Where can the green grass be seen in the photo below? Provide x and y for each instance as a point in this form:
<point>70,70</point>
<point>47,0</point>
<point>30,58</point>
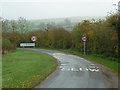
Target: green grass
<point>0,71</point>
<point>113,65</point>
<point>26,68</point>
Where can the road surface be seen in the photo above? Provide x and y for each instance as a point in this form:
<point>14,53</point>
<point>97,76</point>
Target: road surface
<point>76,72</point>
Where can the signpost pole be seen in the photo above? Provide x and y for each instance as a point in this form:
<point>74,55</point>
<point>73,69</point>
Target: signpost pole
<point>34,46</point>
<point>84,48</point>
<point>34,38</point>
<point>84,39</point>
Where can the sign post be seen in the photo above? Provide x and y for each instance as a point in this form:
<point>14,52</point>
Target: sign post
<point>84,39</point>
<point>27,45</point>
<point>84,48</point>
<point>34,38</point>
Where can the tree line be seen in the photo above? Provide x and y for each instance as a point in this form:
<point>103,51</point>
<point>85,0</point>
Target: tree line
<point>102,36</point>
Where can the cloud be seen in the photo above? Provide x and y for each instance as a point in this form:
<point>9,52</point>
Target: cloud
<point>39,10</point>
<point>60,1</point>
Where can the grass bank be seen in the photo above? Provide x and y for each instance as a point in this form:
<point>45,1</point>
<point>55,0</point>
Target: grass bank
<point>113,65</point>
<point>0,71</point>
<point>26,68</point>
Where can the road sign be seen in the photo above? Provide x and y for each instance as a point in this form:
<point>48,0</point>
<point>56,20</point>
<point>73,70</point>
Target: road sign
<point>27,44</point>
<point>84,39</point>
<point>33,38</point>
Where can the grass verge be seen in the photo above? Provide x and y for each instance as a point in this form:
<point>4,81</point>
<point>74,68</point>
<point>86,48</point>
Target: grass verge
<point>113,65</point>
<point>26,68</point>
<point>0,71</point>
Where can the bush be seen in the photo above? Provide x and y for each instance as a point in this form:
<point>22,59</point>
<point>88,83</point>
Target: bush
<point>7,45</point>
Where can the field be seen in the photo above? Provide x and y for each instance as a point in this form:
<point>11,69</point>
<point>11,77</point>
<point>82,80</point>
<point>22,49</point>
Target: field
<point>26,68</point>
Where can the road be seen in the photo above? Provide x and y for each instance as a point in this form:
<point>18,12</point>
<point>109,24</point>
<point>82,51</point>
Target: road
<point>76,72</point>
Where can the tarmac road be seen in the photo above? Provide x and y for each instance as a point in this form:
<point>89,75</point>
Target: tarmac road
<point>76,72</point>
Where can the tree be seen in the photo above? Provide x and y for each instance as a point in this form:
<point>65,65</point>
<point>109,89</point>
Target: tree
<point>23,25</point>
<point>114,21</point>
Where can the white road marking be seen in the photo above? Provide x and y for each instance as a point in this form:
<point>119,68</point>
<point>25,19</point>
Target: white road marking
<point>91,70</point>
<point>80,69</point>
<point>92,64</point>
<point>86,69</point>
<point>63,64</point>
<point>68,69</point>
<point>58,54</point>
<point>72,69</point>
<point>81,58</point>
<point>62,68</point>
<point>97,70</point>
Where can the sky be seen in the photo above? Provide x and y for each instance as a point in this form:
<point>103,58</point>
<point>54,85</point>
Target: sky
<point>44,9</point>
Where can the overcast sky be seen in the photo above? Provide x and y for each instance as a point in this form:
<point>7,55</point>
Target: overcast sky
<point>41,9</point>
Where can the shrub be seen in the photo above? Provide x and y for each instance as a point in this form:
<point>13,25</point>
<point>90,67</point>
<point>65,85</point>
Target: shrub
<point>7,45</point>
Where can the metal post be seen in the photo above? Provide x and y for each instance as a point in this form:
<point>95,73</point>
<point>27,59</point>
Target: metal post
<point>34,46</point>
<point>84,48</point>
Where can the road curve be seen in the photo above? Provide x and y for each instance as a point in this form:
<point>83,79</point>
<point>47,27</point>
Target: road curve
<point>76,72</point>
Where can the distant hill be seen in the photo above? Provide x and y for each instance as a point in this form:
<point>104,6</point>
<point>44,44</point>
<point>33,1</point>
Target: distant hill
<point>66,22</point>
